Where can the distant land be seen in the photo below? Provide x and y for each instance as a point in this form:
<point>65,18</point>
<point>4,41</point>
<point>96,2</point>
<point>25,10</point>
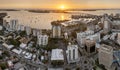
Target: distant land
<point>53,11</point>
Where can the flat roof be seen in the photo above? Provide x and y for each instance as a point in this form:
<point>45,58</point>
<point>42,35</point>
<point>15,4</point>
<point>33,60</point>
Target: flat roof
<point>57,54</point>
<point>17,51</point>
<point>8,46</point>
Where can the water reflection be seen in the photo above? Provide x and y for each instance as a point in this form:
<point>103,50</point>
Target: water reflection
<point>62,17</point>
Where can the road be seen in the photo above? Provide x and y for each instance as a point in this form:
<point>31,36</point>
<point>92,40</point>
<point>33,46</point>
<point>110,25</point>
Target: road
<point>23,59</point>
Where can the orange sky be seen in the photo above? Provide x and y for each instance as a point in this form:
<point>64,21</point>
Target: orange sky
<point>55,4</point>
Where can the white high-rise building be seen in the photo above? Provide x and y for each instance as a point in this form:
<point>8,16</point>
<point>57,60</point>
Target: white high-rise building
<point>28,30</point>
<point>107,23</point>
<point>72,53</point>
<point>13,24</point>
<point>66,35</point>
<point>82,36</point>
<point>42,39</point>
<point>22,27</point>
<point>105,55</point>
<point>34,32</point>
<point>18,27</point>
<point>118,38</point>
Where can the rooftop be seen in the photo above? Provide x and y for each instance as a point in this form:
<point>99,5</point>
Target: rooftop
<point>106,47</point>
<point>57,54</point>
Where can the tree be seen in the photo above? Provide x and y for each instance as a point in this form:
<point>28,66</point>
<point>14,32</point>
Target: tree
<point>67,68</point>
<point>102,66</point>
<point>78,68</point>
<point>1,57</point>
<point>6,53</point>
<point>3,66</point>
<point>22,33</point>
<point>1,32</point>
<point>51,45</point>
<point>14,42</point>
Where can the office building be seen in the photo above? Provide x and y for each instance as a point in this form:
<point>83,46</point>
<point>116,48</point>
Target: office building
<point>28,30</point>
<point>42,40</point>
<point>13,24</point>
<point>107,23</point>
<point>72,53</point>
<point>105,55</point>
<point>56,30</point>
<point>81,37</point>
<point>118,38</point>
<point>66,35</point>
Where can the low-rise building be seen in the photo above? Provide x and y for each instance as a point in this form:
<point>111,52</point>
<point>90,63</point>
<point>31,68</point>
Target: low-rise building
<point>10,63</point>
<point>8,46</point>
<point>17,51</point>
<point>22,45</point>
<point>57,55</point>
<point>28,56</point>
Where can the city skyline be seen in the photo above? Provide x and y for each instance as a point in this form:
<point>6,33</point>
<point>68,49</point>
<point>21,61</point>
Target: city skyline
<point>55,4</point>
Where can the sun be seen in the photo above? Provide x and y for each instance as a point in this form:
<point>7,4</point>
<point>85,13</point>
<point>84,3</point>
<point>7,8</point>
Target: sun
<point>62,7</point>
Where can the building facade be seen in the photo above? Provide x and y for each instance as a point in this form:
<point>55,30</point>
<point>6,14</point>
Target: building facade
<point>42,40</point>
<point>13,24</point>
<point>105,55</point>
<point>56,29</point>
<point>72,53</point>
<point>81,37</point>
<point>28,30</point>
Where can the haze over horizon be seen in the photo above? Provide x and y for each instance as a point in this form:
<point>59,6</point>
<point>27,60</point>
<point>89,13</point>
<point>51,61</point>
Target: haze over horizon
<point>55,4</point>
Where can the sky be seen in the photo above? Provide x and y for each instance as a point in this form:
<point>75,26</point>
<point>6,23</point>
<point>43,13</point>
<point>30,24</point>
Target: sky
<point>55,4</point>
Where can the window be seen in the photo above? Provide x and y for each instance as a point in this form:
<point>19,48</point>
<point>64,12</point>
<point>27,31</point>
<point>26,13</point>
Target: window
<point>73,54</point>
<point>69,55</point>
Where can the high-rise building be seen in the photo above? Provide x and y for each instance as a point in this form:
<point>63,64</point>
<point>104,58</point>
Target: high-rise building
<point>22,27</point>
<point>28,30</point>
<point>56,30</point>
<point>13,24</point>
<point>118,38</point>
<point>106,55</point>
<point>34,32</point>
<point>90,46</point>
<point>72,53</point>
<point>107,23</point>
<point>66,35</point>
<point>42,40</point>
<point>81,37</point>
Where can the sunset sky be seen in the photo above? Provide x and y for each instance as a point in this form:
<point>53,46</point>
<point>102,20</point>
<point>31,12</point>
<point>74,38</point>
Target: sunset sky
<point>56,4</point>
